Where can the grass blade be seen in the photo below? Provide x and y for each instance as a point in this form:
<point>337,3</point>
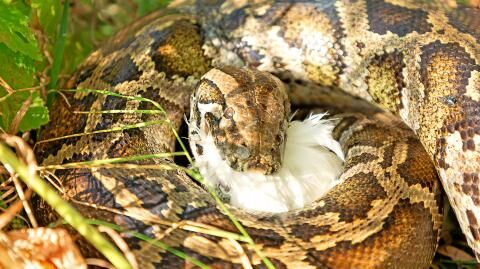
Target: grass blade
<point>152,241</point>
<point>58,52</point>
<point>114,129</point>
<point>64,209</point>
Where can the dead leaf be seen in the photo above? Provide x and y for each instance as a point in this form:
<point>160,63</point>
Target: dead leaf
<point>39,248</point>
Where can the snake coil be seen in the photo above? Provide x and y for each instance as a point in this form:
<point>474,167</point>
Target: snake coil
<point>417,59</point>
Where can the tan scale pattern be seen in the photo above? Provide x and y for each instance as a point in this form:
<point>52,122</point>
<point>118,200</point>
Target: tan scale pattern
<point>436,96</point>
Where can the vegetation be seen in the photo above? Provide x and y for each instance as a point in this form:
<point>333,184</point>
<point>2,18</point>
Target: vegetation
<point>41,43</point>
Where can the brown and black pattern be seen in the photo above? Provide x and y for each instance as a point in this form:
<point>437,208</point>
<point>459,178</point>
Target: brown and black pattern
<point>385,17</point>
<point>470,181</point>
<point>474,227</point>
<point>293,17</point>
<point>418,60</point>
<point>466,20</point>
<point>445,72</point>
<point>177,50</point>
<point>364,255</point>
<point>71,124</point>
<point>385,80</point>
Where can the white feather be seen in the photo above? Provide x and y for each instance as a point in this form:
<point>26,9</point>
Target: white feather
<point>312,163</point>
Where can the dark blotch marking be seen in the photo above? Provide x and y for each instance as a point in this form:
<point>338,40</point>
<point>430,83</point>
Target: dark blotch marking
<point>114,46</point>
<point>451,53</point>
<point>215,94</point>
<point>474,228</point>
<point>121,70</point>
<point>78,157</point>
<point>84,186</point>
<point>233,20</point>
<point>384,17</point>
<point>192,213</point>
<point>307,231</point>
<point>466,20</point>
<point>396,243</point>
<point>154,95</point>
<point>177,50</point>
<point>242,78</point>
<point>471,187</point>
<point>418,168</point>
<point>470,145</point>
<point>83,74</point>
<point>64,122</point>
<point>206,7</point>
<point>387,65</point>
<point>130,143</point>
<point>267,238</point>
<point>149,192</point>
<point>362,158</point>
<point>352,199</point>
<point>343,125</point>
<point>388,156</point>
<point>108,120</point>
<point>360,45</point>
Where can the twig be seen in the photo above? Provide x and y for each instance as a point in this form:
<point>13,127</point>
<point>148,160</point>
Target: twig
<point>243,256</point>
<point>5,85</point>
<point>121,244</point>
<point>98,263</point>
<point>19,115</point>
<point>12,211</point>
<point>64,209</point>
<point>24,199</point>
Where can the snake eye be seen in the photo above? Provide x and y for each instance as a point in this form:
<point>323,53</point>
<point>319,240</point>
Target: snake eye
<point>228,113</point>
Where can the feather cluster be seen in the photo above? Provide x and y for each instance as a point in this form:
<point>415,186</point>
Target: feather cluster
<point>312,163</point>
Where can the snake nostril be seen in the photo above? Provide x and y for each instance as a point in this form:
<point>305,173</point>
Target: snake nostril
<point>242,152</point>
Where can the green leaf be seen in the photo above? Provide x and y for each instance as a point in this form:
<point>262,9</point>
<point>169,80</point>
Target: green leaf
<point>36,115</point>
<point>16,69</point>
<point>49,14</point>
<point>15,32</point>
<point>147,6</point>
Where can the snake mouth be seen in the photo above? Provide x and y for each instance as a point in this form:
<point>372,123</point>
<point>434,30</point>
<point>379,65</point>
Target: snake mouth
<point>262,164</point>
<point>245,177</point>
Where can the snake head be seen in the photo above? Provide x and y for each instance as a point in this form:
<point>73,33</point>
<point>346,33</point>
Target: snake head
<point>244,112</point>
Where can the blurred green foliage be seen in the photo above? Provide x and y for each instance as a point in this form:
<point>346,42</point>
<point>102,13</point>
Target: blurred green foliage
<point>20,57</point>
<point>29,45</point>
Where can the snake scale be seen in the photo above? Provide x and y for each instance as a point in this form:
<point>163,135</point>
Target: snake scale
<point>419,60</point>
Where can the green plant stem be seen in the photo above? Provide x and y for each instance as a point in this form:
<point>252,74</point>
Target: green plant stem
<point>235,222</point>
<point>58,52</point>
<point>64,209</point>
<point>96,163</point>
<point>114,129</point>
<point>152,241</point>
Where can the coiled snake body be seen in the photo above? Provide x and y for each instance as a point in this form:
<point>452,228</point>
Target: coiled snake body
<point>417,59</point>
